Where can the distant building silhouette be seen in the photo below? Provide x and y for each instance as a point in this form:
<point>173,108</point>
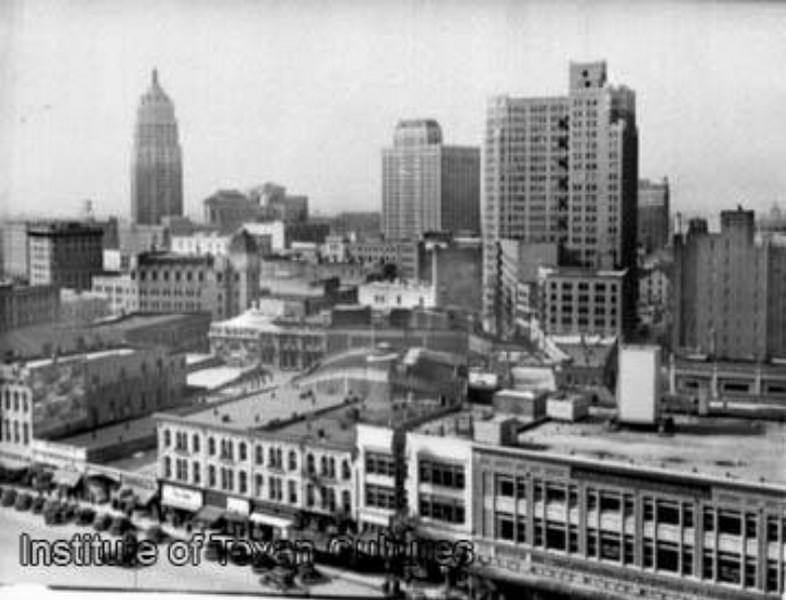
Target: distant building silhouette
<point>426,185</point>
<point>156,169</point>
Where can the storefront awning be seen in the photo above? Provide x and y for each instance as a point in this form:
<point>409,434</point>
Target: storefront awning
<point>271,520</point>
<point>209,514</point>
<point>235,517</point>
<point>143,495</point>
<point>66,478</point>
<point>13,464</point>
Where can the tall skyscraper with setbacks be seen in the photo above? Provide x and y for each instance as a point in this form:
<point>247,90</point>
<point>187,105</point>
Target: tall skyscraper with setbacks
<point>157,168</point>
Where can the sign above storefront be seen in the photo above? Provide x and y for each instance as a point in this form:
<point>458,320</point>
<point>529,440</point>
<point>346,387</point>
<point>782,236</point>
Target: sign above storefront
<point>179,497</point>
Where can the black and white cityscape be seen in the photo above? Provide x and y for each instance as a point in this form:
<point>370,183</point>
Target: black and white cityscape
<point>419,300</point>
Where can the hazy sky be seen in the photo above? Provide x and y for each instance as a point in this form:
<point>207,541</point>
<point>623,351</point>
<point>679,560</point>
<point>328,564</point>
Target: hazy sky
<point>307,93</point>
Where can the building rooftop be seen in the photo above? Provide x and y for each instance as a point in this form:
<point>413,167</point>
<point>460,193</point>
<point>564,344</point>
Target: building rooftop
<point>40,340</point>
<point>263,408</point>
<point>41,362</point>
<point>700,445</point>
<point>112,434</point>
<point>213,378</point>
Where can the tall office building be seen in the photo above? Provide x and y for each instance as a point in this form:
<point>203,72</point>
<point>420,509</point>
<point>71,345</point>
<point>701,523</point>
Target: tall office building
<point>427,186</point>
<point>564,170</point>
<point>156,169</point>
<point>729,290</point>
<point>64,253</point>
<point>653,217</point>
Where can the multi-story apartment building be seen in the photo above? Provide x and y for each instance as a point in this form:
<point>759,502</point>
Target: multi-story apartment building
<point>654,221</point>
<point>728,290</point>
<point>21,306</point>
<point>576,301</point>
<point>64,253</point>
<point>428,186</point>
<point>272,459</point>
<point>165,282</point>
<point>58,396</point>
<point>563,170</point>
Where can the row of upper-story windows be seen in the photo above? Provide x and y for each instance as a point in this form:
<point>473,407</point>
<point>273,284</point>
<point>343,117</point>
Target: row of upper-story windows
<point>225,448</point>
<point>16,399</point>
<point>11,432</point>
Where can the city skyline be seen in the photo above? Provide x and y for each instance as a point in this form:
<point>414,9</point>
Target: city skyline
<point>266,105</point>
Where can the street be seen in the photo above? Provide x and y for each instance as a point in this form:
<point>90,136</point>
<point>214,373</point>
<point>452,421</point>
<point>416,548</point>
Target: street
<point>207,577</point>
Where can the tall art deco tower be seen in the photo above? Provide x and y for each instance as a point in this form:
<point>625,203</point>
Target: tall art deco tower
<point>156,168</point>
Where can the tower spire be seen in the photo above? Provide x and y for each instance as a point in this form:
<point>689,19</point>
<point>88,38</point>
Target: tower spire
<point>155,76</point>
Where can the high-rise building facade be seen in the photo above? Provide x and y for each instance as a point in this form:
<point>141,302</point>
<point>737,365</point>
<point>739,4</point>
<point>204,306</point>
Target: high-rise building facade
<point>428,186</point>
<point>64,253</point>
<point>653,215</point>
<point>563,170</point>
<point>156,169</point>
<point>729,291</point>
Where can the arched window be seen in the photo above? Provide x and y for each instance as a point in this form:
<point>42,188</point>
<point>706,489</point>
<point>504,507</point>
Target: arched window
<point>167,438</point>
<point>310,463</point>
<point>242,451</point>
<point>260,454</point>
<point>211,445</point>
<point>167,467</point>
<point>195,442</point>
<point>345,472</point>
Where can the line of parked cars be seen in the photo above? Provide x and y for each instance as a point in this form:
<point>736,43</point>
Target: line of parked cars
<point>276,571</point>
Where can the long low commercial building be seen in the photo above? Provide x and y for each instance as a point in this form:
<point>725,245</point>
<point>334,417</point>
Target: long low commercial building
<point>588,511</point>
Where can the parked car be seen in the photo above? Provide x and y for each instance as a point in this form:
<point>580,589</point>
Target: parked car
<point>9,497</point>
<point>54,516</point>
<point>215,551</point>
<point>38,505</point>
<point>85,516</point>
<point>280,578</point>
<point>308,574</point>
<point>23,501</point>
<point>262,562</point>
<point>69,512</point>
<point>120,525</point>
<point>156,534</point>
<point>102,522</point>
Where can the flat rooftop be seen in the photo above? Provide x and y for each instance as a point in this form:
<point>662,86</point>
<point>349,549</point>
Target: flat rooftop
<point>32,364</point>
<point>746,450</point>
<point>108,435</point>
<point>32,341</point>
<point>260,408</point>
<point>144,462</point>
<point>213,378</point>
